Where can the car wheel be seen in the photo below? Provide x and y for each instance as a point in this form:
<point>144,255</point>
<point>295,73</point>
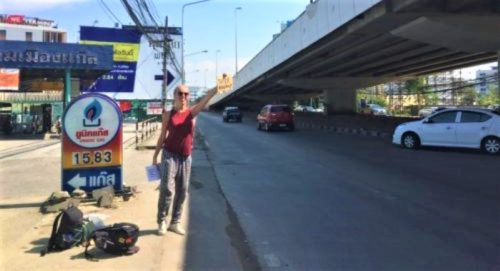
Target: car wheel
<point>410,141</point>
<point>266,127</point>
<point>291,127</point>
<point>491,145</point>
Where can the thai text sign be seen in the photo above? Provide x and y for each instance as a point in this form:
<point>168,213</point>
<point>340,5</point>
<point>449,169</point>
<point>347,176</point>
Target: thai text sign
<point>90,179</point>
<point>92,139</point>
<point>44,55</point>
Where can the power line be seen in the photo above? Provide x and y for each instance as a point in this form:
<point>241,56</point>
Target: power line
<point>110,12</point>
<point>155,11</point>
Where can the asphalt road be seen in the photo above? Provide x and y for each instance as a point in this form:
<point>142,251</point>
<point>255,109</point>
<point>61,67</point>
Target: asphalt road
<point>315,200</point>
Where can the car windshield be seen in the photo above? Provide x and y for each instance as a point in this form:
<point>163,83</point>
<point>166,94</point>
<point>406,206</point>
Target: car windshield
<point>233,110</point>
<point>279,109</point>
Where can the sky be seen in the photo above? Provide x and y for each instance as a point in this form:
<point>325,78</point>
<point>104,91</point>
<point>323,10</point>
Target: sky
<point>207,26</point>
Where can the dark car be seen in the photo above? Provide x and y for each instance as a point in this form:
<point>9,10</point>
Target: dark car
<point>275,116</point>
<point>231,113</point>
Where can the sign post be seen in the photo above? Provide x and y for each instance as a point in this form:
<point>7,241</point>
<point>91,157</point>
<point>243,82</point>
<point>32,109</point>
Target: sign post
<point>67,87</point>
<point>92,144</point>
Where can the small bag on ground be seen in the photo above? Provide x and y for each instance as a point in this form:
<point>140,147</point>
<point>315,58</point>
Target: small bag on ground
<point>68,230</point>
<point>118,239</point>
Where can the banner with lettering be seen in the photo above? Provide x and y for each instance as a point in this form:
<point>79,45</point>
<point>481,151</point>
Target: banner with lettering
<point>125,56</point>
<point>54,56</point>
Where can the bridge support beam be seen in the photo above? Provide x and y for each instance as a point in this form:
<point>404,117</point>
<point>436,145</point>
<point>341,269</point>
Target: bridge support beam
<point>339,92</point>
<point>340,101</point>
<point>465,33</point>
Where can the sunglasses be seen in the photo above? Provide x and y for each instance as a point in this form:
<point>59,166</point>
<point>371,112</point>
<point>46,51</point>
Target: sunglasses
<point>182,94</point>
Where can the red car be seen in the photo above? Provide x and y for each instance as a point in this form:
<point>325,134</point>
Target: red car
<point>275,116</point>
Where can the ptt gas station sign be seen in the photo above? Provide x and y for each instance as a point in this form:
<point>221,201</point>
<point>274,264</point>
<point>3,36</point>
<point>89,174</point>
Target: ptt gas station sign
<point>92,144</point>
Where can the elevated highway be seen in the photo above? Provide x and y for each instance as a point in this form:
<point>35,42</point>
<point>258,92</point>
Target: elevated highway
<point>335,47</point>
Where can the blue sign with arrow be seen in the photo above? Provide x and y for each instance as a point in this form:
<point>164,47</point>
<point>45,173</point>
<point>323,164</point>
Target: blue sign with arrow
<point>92,178</point>
<point>170,77</point>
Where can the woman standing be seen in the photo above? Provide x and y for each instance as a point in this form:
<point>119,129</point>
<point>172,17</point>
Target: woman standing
<point>176,140</point>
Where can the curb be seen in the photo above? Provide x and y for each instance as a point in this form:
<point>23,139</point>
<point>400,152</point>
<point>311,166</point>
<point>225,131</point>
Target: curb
<point>345,130</point>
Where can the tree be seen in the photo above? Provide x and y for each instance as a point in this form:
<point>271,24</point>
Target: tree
<point>431,98</point>
<point>416,86</point>
<point>468,96</point>
<point>490,98</point>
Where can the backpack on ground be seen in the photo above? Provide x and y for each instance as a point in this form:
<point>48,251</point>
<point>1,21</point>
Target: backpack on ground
<point>68,230</point>
<point>118,239</point>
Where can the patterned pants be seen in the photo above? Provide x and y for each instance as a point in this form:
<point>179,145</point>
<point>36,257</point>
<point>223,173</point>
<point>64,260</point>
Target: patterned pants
<point>175,171</point>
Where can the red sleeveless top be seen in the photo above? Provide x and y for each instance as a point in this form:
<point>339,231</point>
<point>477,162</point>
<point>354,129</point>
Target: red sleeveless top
<point>180,131</point>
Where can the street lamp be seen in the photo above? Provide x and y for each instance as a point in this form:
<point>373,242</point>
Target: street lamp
<point>236,39</point>
<point>195,53</point>
<point>216,65</point>
<point>182,26</point>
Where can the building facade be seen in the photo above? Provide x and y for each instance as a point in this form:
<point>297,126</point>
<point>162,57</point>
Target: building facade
<point>30,105</point>
<point>485,79</point>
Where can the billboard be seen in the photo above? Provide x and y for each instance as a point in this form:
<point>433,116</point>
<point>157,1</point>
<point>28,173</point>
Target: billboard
<point>224,83</point>
<point>125,55</point>
<point>147,68</point>
<point>154,108</point>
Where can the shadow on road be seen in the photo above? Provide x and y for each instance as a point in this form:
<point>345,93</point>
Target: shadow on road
<point>20,205</point>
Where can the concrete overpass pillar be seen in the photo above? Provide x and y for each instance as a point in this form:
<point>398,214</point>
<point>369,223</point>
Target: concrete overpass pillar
<point>339,92</point>
<point>340,101</point>
<point>498,77</point>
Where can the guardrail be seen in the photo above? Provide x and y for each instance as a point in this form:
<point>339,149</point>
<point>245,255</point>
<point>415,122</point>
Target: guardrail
<point>145,129</point>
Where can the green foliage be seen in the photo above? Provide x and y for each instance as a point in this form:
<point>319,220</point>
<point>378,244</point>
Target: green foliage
<point>431,99</point>
<point>377,100</point>
<point>468,96</point>
<point>490,98</point>
<point>415,86</point>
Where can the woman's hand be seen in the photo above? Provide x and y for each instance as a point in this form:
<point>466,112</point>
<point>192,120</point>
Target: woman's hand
<point>197,108</point>
<point>213,91</point>
<point>155,160</point>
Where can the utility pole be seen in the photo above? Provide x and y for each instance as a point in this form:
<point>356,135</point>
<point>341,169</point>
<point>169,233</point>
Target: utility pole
<point>236,40</point>
<point>166,51</point>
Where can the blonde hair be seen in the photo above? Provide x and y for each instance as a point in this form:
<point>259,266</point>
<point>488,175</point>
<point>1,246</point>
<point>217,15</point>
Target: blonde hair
<point>177,101</point>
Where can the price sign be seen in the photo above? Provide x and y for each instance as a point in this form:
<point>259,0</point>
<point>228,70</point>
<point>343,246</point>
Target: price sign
<point>91,157</point>
<point>92,141</point>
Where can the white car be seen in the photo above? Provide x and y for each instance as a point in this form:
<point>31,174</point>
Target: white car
<point>377,110</point>
<point>308,108</point>
<point>425,112</point>
<point>466,128</point>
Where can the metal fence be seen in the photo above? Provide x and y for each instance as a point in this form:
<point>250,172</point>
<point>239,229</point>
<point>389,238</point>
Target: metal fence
<point>145,129</point>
